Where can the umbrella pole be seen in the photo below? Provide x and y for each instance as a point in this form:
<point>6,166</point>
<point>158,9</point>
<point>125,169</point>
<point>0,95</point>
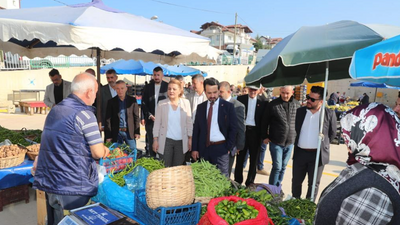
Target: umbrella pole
<point>98,96</point>
<point>320,136</point>
<point>376,91</point>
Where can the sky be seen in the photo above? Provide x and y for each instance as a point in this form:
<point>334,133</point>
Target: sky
<point>278,18</point>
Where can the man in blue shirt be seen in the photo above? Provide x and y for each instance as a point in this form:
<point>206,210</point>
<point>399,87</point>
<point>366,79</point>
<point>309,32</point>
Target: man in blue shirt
<point>122,118</point>
<point>66,168</point>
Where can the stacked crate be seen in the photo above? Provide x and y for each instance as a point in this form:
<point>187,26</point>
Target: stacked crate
<point>300,93</point>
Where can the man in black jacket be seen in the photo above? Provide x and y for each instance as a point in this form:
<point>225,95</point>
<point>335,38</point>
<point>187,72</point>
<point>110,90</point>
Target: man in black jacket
<point>278,129</point>
<point>154,92</point>
<point>254,109</point>
<point>122,118</point>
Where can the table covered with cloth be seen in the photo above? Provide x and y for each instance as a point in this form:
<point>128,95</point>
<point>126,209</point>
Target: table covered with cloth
<point>17,175</point>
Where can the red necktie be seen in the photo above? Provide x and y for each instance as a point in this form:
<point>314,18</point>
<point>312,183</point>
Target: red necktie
<point>210,112</point>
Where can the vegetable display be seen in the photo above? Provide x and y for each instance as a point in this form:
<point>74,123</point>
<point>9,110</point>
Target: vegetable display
<point>234,212</point>
<point>33,148</point>
<point>149,164</point>
<point>208,180</point>
<point>300,209</point>
<point>10,150</point>
<point>14,137</point>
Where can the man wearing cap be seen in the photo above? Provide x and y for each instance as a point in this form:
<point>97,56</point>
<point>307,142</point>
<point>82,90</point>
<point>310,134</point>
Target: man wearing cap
<point>254,109</point>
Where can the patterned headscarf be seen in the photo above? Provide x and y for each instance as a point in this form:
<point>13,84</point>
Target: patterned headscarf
<point>372,134</point>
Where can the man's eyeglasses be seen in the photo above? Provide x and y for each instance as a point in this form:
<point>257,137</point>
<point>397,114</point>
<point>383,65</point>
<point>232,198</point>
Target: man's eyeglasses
<point>312,99</point>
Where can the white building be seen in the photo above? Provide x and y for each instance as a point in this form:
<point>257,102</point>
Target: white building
<point>222,37</point>
<point>269,42</point>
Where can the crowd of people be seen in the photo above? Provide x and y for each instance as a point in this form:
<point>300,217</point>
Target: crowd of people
<point>209,120</point>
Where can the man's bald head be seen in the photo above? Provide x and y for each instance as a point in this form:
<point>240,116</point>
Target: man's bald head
<point>84,85</point>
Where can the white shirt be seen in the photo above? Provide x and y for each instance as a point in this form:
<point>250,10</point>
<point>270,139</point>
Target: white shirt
<point>174,130</point>
<point>197,99</point>
<point>156,94</point>
<point>229,99</point>
<point>251,111</point>
<point>215,133</point>
<point>309,132</point>
<point>112,91</point>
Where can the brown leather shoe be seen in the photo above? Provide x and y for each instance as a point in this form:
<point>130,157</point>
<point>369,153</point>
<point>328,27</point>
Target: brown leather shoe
<point>263,172</point>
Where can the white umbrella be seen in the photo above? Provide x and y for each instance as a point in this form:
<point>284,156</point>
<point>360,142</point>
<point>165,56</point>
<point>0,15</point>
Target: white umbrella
<point>78,28</point>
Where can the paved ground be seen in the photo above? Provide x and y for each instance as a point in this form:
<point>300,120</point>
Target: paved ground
<point>24,214</point>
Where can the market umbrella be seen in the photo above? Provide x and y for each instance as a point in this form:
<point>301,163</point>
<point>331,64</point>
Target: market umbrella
<point>83,28</point>
<point>146,68</point>
<point>371,85</point>
<point>379,63</point>
<point>316,54</point>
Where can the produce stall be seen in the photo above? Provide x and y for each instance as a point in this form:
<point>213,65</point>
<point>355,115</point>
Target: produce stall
<point>197,194</point>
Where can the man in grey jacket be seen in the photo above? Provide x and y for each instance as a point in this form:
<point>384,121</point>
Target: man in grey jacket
<point>226,93</point>
<point>56,91</point>
<point>278,129</point>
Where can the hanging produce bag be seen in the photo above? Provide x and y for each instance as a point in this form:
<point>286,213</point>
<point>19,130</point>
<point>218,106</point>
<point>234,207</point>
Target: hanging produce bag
<point>212,218</point>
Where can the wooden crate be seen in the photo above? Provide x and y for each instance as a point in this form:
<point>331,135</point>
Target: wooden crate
<point>14,194</point>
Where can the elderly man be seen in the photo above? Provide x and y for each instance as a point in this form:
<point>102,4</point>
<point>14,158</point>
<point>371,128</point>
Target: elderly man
<point>66,168</point>
<point>56,91</point>
<point>254,109</point>
<point>122,118</point>
<point>107,92</point>
<point>153,92</point>
<point>226,94</point>
<point>277,129</point>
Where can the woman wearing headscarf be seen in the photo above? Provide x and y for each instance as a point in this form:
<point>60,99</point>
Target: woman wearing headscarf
<point>368,190</point>
<point>173,126</point>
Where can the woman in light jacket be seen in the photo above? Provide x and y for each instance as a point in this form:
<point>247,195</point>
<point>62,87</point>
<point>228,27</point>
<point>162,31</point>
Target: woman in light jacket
<point>173,126</point>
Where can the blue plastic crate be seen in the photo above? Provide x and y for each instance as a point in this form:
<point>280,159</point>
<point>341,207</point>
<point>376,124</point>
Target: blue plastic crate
<point>181,215</point>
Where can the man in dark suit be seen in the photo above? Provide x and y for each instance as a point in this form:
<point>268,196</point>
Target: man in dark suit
<point>107,92</point>
<point>226,93</point>
<point>122,118</point>
<point>254,109</point>
<point>215,128</point>
<point>307,125</point>
<point>365,99</point>
<point>154,92</point>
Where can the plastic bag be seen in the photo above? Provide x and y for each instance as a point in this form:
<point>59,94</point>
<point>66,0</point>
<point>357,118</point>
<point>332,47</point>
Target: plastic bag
<point>5,142</point>
<point>114,196</point>
<point>211,217</point>
<point>136,179</point>
<point>101,170</point>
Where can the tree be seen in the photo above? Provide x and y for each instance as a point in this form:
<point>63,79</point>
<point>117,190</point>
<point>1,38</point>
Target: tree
<point>258,45</point>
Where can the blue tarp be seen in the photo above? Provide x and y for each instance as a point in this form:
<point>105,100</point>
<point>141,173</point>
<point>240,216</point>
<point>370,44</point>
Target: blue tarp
<point>15,176</point>
<point>146,68</point>
<point>371,85</point>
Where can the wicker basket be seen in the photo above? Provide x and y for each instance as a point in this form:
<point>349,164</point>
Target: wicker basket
<point>12,161</point>
<point>170,187</point>
<point>32,155</point>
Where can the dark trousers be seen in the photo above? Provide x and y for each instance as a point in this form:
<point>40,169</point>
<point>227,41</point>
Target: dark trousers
<point>304,164</point>
<point>149,134</point>
<point>217,155</point>
<point>252,144</point>
<point>56,204</point>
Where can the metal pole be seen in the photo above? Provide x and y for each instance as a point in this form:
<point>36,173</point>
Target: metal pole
<point>376,91</point>
<point>98,96</point>
<point>234,38</point>
<point>320,136</point>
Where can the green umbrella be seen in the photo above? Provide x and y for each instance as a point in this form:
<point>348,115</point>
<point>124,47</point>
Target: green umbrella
<point>302,55</point>
<point>316,54</point>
